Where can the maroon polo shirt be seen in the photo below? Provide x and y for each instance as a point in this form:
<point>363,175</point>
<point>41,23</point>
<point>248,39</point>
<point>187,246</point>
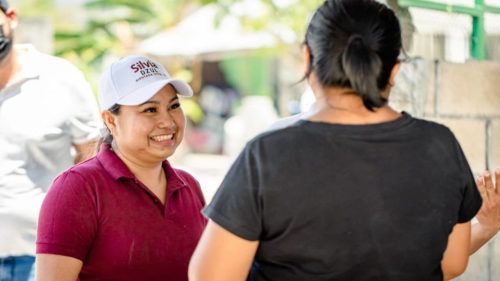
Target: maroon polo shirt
<point>101,214</point>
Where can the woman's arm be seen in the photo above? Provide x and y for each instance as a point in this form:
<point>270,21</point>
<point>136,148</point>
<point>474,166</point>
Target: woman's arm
<point>57,268</point>
<point>456,256</point>
<point>489,215</point>
<point>67,226</point>
<point>221,256</point>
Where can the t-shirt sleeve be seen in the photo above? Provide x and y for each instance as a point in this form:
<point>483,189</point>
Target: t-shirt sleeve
<point>68,218</point>
<point>472,200</point>
<point>84,122</point>
<point>236,205</point>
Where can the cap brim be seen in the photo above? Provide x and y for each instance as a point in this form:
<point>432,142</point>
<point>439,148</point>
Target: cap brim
<point>145,93</point>
<point>182,87</point>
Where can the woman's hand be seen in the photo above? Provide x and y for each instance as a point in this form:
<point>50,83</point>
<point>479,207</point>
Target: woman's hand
<point>489,214</point>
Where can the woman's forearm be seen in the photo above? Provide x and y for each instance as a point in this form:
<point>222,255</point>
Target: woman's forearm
<point>480,235</point>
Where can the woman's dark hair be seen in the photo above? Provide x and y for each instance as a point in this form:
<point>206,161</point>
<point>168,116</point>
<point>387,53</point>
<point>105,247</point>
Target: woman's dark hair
<point>106,136</point>
<point>355,44</point>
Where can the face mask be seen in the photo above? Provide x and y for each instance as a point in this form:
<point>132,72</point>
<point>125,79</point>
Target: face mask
<point>5,43</point>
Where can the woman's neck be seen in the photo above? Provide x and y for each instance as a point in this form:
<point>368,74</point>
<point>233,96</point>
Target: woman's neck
<point>151,175</point>
<point>343,106</point>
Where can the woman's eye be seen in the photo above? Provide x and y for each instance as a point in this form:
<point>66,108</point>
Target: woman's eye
<point>175,105</point>
<point>150,109</point>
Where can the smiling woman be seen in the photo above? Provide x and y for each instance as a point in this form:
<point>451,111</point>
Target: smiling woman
<point>126,214</point>
<point>150,132</point>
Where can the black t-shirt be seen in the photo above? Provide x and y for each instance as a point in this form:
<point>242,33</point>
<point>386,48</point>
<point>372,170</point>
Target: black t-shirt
<point>348,202</point>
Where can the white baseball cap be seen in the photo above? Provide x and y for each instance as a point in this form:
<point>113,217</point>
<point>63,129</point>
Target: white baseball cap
<point>134,80</point>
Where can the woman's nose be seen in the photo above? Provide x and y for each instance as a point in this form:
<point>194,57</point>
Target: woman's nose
<point>166,121</point>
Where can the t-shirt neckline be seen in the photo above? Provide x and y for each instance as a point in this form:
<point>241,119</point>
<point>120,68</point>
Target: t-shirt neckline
<point>391,125</point>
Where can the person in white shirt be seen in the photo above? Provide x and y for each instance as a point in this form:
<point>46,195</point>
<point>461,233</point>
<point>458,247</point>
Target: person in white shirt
<point>48,121</point>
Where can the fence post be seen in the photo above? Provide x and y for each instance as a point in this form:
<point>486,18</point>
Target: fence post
<point>477,41</point>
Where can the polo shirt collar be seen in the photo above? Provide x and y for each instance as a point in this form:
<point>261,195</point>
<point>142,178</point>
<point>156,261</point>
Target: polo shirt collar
<point>117,169</point>
<point>174,181</point>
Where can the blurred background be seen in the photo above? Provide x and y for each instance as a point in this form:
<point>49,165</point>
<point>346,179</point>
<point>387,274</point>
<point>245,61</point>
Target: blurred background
<point>243,59</point>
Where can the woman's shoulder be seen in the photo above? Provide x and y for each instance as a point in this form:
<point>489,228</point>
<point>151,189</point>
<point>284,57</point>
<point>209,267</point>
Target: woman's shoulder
<point>278,134</point>
<point>185,176</point>
<point>81,174</point>
<point>88,167</point>
<point>432,126</point>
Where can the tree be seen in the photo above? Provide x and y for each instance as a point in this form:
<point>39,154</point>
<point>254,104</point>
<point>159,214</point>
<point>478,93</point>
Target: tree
<point>270,14</point>
<point>34,7</point>
<point>114,27</point>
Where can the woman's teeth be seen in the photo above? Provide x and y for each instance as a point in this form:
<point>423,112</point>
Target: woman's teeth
<point>162,137</point>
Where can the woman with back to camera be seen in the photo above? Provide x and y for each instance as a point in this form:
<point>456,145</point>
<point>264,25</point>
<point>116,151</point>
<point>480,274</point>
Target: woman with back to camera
<point>357,191</point>
<point>126,214</point>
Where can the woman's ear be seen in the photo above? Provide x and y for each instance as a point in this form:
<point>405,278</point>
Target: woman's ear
<point>394,72</point>
<point>310,73</point>
<point>306,53</point>
<point>392,80</point>
<point>109,120</point>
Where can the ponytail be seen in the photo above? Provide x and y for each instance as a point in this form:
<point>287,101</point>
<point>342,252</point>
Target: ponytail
<point>354,44</point>
<point>106,136</point>
<point>362,67</point>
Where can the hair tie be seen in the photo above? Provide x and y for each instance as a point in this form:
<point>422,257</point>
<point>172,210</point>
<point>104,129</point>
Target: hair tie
<point>353,38</point>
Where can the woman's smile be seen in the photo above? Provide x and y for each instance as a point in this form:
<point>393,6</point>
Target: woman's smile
<point>163,139</point>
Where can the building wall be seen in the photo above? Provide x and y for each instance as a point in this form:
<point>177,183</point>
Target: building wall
<point>466,98</point>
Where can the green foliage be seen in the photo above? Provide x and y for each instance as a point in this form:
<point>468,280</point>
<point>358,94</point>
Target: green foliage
<point>136,6</point>
<point>112,28</point>
<point>290,13</point>
<point>34,7</point>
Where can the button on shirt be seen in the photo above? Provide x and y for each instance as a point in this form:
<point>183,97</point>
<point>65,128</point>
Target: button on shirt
<point>101,214</point>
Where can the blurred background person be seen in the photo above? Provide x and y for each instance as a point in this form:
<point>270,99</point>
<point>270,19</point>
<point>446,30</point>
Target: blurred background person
<point>48,121</point>
<point>357,191</point>
<point>126,214</point>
